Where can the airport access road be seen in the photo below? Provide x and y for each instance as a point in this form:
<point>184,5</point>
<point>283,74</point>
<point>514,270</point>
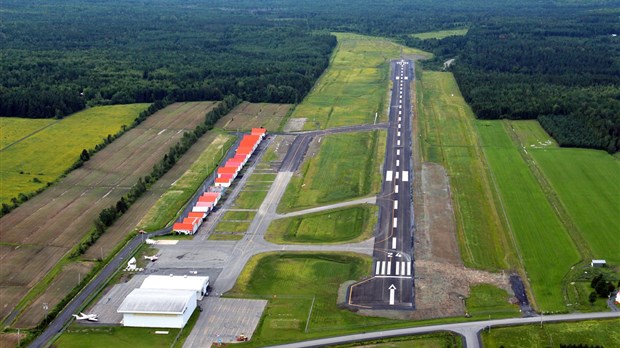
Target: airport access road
<point>469,330</point>
<point>392,283</point>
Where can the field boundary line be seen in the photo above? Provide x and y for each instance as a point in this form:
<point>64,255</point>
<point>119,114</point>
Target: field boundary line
<point>29,135</point>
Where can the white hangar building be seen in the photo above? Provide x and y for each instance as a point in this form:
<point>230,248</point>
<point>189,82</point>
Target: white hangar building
<point>158,308</point>
<point>194,283</point>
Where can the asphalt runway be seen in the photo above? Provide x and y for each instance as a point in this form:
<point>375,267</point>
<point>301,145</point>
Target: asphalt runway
<point>392,283</point>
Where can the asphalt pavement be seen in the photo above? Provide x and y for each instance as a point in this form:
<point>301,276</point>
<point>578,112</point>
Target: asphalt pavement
<point>392,283</point>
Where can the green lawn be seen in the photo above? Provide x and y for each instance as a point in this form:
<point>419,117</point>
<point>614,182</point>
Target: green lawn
<point>332,226</point>
<point>250,199</point>
<point>45,155</point>
<point>115,336</point>
<point>546,250</point>
<point>532,135</point>
<point>448,136</point>
<point>290,281</point>
<point>239,215</point>
<point>345,167</point>
<point>602,333</point>
<point>486,301</point>
<point>440,34</point>
<point>172,201</point>
<point>353,87</point>
<point>588,185</point>
<point>232,226</point>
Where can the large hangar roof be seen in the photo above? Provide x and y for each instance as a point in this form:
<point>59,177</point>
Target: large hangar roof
<point>195,283</point>
<point>157,301</point>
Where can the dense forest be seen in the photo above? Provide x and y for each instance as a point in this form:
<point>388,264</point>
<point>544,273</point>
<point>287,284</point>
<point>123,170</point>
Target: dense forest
<point>562,70</point>
<point>58,58</point>
<point>552,60</point>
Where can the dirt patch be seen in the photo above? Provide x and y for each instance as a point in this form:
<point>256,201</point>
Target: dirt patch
<point>10,339</point>
<point>295,124</point>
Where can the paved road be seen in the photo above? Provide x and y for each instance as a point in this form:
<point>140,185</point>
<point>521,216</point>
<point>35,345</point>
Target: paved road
<point>365,200</point>
<point>468,330</point>
<point>391,286</point>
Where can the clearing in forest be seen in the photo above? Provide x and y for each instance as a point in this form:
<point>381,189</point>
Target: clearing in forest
<point>353,87</point>
<point>246,116</point>
<point>441,34</point>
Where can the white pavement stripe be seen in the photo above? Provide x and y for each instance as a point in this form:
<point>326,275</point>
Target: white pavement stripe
<point>397,152</point>
<point>389,268</point>
<point>405,175</point>
<point>399,126</point>
<point>397,175</point>
<point>394,245</point>
<point>396,189</point>
<point>395,224</point>
<point>408,268</point>
<point>393,276</point>
<point>404,267</point>
<point>378,267</point>
<point>395,204</point>
<point>388,175</point>
<point>398,133</point>
<point>397,163</point>
<point>397,269</point>
<point>398,143</point>
<point>399,119</point>
<point>382,267</point>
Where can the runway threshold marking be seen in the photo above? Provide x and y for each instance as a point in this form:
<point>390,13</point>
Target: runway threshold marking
<point>388,175</point>
<point>378,267</point>
<point>389,268</point>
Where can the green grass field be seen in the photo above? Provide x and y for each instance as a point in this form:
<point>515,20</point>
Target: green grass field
<point>45,155</point>
<point>487,301</point>
<point>13,129</point>
<point>353,87</point>
<point>448,136</point>
<point>603,333</point>
<point>332,226</point>
<point>588,186</point>
<point>290,281</point>
<point>345,167</point>
<point>440,34</point>
<point>122,337</point>
<point>545,248</point>
<point>172,200</point>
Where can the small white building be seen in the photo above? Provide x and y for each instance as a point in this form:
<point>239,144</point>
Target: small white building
<point>158,308</point>
<point>598,263</point>
<point>618,297</point>
<point>195,283</point>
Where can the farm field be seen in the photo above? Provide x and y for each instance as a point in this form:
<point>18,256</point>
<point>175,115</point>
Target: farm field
<point>346,166</point>
<point>253,115</point>
<point>332,226</point>
<point>587,184</point>
<point>544,246</point>
<point>290,281</point>
<point>448,137</point>
<point>60,216</point>
<point>486,301</point>
<point>31,159</point>
<point>602,333</point>
<point>174,195</point>
<point>353,87</point>
<point>113,336</point>
<point>441,34</point>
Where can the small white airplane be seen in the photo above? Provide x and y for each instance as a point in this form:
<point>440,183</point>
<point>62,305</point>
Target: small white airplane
<point>89,317</point>
<point>152,258</point>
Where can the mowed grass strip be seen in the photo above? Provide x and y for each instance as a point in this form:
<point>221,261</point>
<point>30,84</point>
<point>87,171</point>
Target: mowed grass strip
<point>352,89</point>
<point>602,333</point>
<point>486,300</point>
<point>172,200</point>
<point>588,186</point>
<point>346,166</point>
<point>545,248</point>
<point>290,281</point>
<point>332,226</point>
<point>440,34</point>
<point>434,340</point>
<point>448,136</point>
<point>29,164</point>
<point>115,336</point>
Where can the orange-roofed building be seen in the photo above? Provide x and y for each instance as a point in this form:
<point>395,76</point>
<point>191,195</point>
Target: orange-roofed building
<point>195,214</point>
<point>180,227</point>
<point>245,151</point>
<point>259,131</point>
<point>227,170</point>
<point>222,182</point>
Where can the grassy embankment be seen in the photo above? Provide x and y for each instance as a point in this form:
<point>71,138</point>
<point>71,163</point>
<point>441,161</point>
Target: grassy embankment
<point>488,301</point>
<point>294,283</point>
<point>333,226</point>
<point>448,136</point>
<point>435,340</point>
<point>345,167</point>
<point>353,87</point>
<point>441,34</point>
<point>35,152</point>
<point>169,205</point>
<point>603,333</point>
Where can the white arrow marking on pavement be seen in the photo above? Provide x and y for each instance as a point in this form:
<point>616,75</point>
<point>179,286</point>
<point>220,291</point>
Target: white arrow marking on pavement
<point>392,289</point>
